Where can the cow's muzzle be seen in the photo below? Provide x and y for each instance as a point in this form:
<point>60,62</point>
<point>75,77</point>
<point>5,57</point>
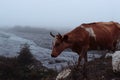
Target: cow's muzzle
<point>53,55</point>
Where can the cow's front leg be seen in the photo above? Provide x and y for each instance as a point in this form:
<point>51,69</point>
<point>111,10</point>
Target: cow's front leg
<point>79,60</point>
<point>83,54</point>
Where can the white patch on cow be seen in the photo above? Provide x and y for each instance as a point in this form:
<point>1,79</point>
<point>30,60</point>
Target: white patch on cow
<point>82,26</point>
<point>90,31</point>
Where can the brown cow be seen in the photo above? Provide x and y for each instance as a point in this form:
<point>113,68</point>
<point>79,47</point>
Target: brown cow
<point>92,36</point>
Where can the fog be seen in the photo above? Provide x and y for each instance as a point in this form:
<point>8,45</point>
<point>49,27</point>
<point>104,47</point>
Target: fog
<point>57,14</point>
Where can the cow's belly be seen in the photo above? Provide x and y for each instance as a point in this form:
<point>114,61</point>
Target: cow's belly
<point>101,43</point>
<point>100,47</point>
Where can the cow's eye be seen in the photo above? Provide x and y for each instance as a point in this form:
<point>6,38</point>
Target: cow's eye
<point>57,44</point>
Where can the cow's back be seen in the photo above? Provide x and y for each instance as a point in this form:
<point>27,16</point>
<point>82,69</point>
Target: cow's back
<point>106,34</point>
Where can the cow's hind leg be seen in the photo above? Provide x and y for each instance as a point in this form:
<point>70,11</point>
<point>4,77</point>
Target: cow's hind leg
<point>85,57</point>
<point>79,60</point>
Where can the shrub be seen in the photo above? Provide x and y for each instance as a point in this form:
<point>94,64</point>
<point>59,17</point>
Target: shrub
<point>24,67</point>
<point>25,57</point>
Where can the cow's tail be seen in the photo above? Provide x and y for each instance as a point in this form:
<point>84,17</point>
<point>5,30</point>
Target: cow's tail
<point>118,25</point>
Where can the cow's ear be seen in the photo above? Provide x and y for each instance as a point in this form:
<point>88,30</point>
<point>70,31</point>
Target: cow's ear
<point>65,38</point>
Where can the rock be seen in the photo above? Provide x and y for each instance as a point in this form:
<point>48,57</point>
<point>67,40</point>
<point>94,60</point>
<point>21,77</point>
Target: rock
<point>116,61</point>
<point>10,45</point>
<point>108,55</point>
<point>63,74</point>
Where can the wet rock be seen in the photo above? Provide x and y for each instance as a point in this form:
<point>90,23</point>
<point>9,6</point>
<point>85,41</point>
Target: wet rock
<point>63,74</point>
<point>116,61</point>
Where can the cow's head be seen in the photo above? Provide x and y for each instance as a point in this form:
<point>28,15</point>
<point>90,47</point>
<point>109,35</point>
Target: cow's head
<point>60,43</point>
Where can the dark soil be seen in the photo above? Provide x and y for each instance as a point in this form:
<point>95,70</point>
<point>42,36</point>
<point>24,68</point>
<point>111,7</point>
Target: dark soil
<point>99,69</point>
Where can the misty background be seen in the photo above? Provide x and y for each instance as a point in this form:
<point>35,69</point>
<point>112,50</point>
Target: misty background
<point>57,14</point>
<point>31,21</point>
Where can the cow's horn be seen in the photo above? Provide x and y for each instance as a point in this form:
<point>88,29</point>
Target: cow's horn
<point>60,35</point>
<point>52,34</point>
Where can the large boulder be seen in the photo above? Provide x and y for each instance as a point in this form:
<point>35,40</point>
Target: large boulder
<point>116,61</point>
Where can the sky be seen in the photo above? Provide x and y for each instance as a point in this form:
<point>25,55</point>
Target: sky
<point>57,13</point>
